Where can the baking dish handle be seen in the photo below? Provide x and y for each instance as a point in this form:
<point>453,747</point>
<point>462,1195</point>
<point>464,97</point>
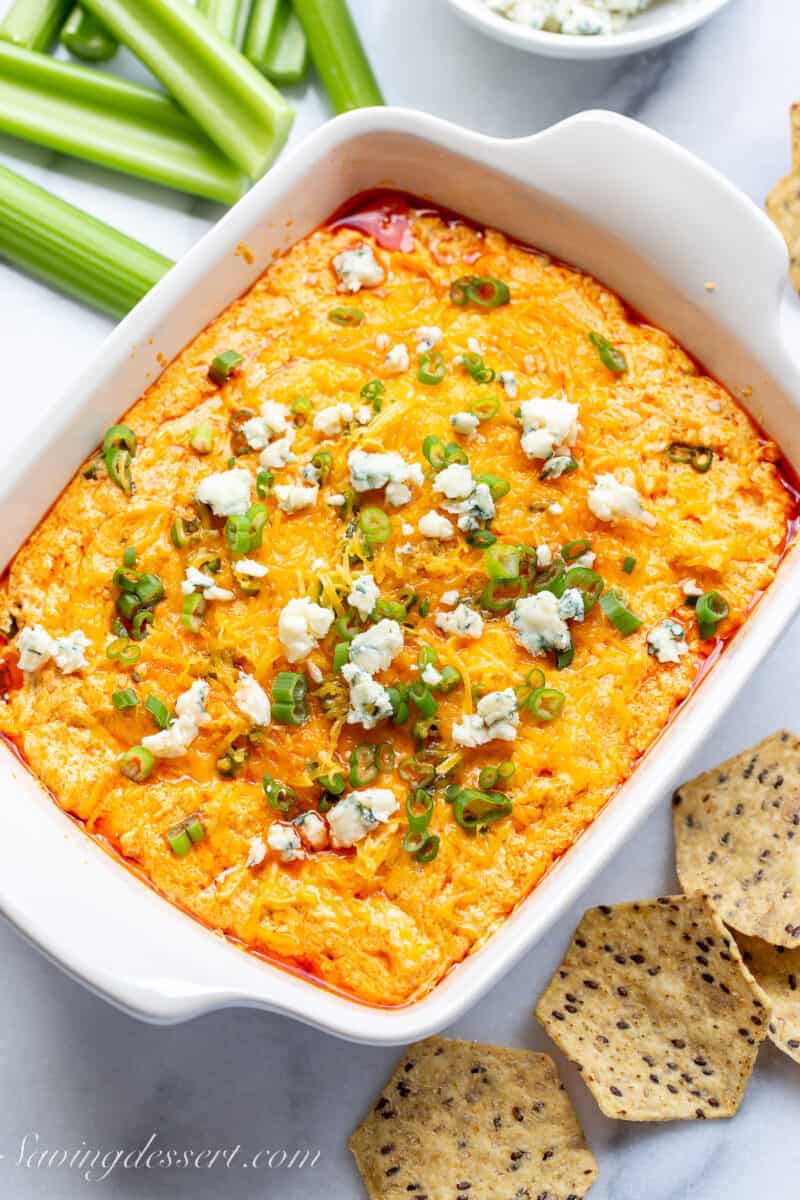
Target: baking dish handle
<point>694,224</point>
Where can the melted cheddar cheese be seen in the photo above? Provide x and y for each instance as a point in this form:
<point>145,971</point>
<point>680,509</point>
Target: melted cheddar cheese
<point>372,920</point>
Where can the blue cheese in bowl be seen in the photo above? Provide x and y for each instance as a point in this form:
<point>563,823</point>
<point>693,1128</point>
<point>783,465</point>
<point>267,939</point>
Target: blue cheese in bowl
<point>583,17</point>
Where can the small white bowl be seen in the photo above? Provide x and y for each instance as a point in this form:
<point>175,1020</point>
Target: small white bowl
<point>667,19</point>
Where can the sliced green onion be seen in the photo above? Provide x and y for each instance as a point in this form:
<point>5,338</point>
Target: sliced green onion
<point>195,828</point>
<point>201,438</point>
<point>474,365</point>
<point>495,599</point>
<point>481,538</point>
<point>416,772</point>
<point>34,24</point>
<point>453,453</point>
<point>699,458</point>
<point>475,809</point>
<point>341,655</point>
<point>224,365</point>
<point>118,465</point>
<point>390,608</point>
<point>551,578</point>
<point>238,534</point>
<point>372,393</point>
<point>588,583</point>
<point>192,612</point>
<point>179,841</point>
<point>123,651</point>
<point>275,42</point>
<point>302,406</point>
<point>628,564</point>
<point>619,614</point>
<point>426,656</point>
<point>257,517</point>
<point>129,556</point>
<point>337,53</point>
<point>558,465</point>
<point>158,711</point>
<point>610,356</point>
<point>424,606</point>
<point>502,562</point>
<point>374,525</point>
<point>334,783</point>
<point>488,777</point>
<point>345,629</point>
<point>136,764</point>
<point>485,408</point>
<point>264,481</point>
<point>458,290</point>
<point>343,315</point>
<point>289,698</point>
<point>385,757</point>
<point>363,765</point>
<point>125,698</point>
<point>126,580</point>
<point>430,848</point>
<point>711,608</point>
<point>507,770</point>
<point>546,703</point>
<point>435,451</point>
<point>399,703</point>
<point>323,461</point>
<point>119,436</point>
<point>432,368</point>
<point>140,626</point>
<point>128,605</point>
<point>215,85</point>
<point>575,549</point>
<point>183,532</point>
<point>564,657</point>
<point>111,121</point>
<point>87,38</point>
<point>487,292</point>
<point>498,486</point>
<point>73,251</point>
<point>450,679</point>
<point>420,694</point>
<point>419,810</point>
<point>150,590</point>
<point>279,795</point>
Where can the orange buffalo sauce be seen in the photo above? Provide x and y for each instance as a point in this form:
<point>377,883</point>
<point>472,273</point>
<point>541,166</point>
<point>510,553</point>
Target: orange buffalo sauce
<point>371,920</point>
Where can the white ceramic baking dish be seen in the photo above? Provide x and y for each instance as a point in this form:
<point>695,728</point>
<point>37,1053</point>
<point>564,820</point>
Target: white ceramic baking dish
<point>599,191</point>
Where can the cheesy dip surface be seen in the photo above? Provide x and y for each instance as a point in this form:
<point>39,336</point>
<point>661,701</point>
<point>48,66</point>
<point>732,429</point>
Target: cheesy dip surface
<point>380,591</point>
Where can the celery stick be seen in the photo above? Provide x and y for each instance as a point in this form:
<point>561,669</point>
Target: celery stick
<point>239,110</point>
<point>224,15</point>
<point>34,24</point>
<point>109,121</point>
<point>87,38</point>
<point>275,42</point>
<point>337,53</point>
<point>71,250</point>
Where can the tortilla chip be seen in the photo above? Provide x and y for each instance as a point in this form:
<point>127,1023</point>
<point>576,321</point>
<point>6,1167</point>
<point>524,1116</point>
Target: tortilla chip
<point>459,1119</point>
<point>777,970</point>
<point>737,838</point>
<point>655,1007</point>
<point>783,202</point>
<point>794,116</point>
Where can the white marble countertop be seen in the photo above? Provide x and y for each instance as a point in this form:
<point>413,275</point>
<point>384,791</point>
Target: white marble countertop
<point>77,1075</point>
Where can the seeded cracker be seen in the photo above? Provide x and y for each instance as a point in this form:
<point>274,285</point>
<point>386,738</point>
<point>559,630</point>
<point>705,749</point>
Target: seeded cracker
<point>655,1007</point>
<point>737,838</point>
<point>783,202</point>
<point>777,970</point>
<point>463,1121</point>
